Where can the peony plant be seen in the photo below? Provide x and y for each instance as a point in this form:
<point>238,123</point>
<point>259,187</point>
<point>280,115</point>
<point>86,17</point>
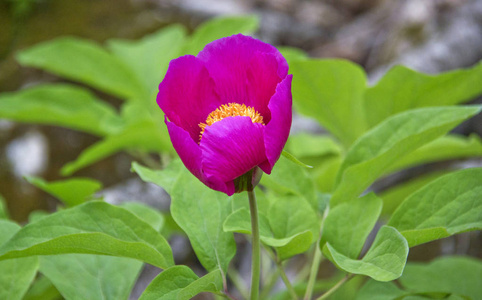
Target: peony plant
<point>325,231</point>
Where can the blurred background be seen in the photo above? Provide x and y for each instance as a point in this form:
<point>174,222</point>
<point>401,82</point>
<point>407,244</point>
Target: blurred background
<point>430,36</point>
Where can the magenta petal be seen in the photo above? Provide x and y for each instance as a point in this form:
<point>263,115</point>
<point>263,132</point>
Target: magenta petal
<point>191,156</point>
<point>231,147</point>
<point>187,94</point>
<point>278,129</point>
<point>230,59</point>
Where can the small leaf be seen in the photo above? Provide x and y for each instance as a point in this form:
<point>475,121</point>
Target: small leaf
<point>287,177</point>
<point>82,276</point>
<point>383,145</point>
<point>168,284</point>
<point>146,213</point>
<point>403,89</point>
<point>211,282</point>
<point>164,178</point>
<point>449,274</point>
<point>383,262</point>
<point>217,28</point>
<point>295,160</point>
<point>93,227</point>
<point>324,89</point>
<point>446,206</point>
<point>42,289</point>
<point>145,136</point>
<point>150,56</point>
<point>82,60</point>
<point>348,225</point>
<point>200,212</point>
<point>61,105</point>
<point>17,274</point>
<point>71,192</point>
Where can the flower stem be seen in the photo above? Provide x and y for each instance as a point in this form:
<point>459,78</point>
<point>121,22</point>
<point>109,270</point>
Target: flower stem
<point>335,287</point>
<point>255,266</point>
<point>286,281</point>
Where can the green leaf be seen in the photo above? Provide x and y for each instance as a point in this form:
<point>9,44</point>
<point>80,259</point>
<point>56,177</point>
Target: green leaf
<point>288,177</point>
<point>386,143</point>
<point>331,91</point>
<point>17,274</point>
<point>348,225</point>
<point>93,227</point>
<point>394,196</point>
<point>383,262</point>
<point>217,28</point>
<point>71,192</point>
<point>84,61</point>
<point>150,56</point>
<point>81,276</point>
<point>291,217</point>
<point>61,105</point>
<point>403,89</point>
<point>211,282</point>
<point>200,212</point>
<point>3,208</point>
<point>292,53</point>
<point>295,160</point>
<point>446,206</point>
<point>164,178</point>
<point>452,274</point>
<point>375,290</point>
<point>443,148</point>
<point>168,284</point>
<point>145,136</point>
<point>146,213</point>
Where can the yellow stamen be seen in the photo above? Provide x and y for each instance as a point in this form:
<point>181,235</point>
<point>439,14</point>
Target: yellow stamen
<point>231,110</point>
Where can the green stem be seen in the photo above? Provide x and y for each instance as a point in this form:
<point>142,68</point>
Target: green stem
<point>255,266</point>
<point>316,260</point>
<point>335,287</point>
<point>238,282</point>
<point>287,282</point>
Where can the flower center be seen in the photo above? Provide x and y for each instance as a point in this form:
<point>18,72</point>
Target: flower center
<point>231,110</point>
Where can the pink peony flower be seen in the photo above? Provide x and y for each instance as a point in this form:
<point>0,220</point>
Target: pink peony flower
<point>228,111</point>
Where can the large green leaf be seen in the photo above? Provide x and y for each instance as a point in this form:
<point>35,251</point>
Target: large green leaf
<point>150,56</point>
<point>331,91</point>
<point>452,275</point>
<point>218,28</point>
<point>348,225</point>
<point>288,177</point>
<point>443,148</point>
<point>71,192</point>
<point>383,262</point>
<point>82,276</point>
<point>98,276</point>
<point>200,212</point>
<point>309,145</point>
<point>91,228</point>
<point>446,206</point>
<point>145,136</point>
<point>86,62</point>
<point>164,178</point>
<point>16,274</point>
<point>386,143</point>
<point>211,282</point>
<point>403,89</point>
<point>61,105</point>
